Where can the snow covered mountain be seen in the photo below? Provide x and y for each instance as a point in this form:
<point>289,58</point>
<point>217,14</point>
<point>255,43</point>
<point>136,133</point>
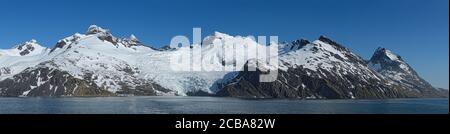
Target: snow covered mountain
<point>29,48</point>
<point>321,69</point>
<point>398,72</point>
<point>99,64</point>
<point>20,57</point>
<point>91,64</point>
<point>324,69</point>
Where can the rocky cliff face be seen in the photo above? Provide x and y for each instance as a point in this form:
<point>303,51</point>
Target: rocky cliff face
<point>44,81</point>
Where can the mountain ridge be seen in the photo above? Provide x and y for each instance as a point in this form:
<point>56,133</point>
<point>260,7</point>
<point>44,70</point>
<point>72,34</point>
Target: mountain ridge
<point>100,64</point>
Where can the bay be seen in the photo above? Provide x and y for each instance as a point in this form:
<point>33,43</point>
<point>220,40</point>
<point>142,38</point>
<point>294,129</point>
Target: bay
<point>216,105</point>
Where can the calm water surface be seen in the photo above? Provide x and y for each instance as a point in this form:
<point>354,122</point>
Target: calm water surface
<point>214,105</point>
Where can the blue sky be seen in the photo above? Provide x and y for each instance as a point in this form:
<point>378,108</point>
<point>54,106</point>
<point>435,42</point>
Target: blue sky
<point>415,29</point>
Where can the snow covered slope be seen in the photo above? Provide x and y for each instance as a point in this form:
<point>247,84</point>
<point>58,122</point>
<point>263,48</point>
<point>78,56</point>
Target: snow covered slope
<point>97,63</point>
<point>209,74</point>
<point>20,57</point>
<point>398,72</point>
<point>96,57</point>
<point>124,65</point>
<point>321,69</point>
<point>29,48</point>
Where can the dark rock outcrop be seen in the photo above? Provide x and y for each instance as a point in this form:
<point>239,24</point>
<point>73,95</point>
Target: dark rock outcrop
<point>44,81</point>
<point>296,83</point>
<point>49,82</point>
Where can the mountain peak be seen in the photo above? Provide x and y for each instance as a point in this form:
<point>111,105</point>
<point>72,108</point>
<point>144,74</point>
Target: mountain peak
<point>30,43</point>
<point>326,39</point>
<point>394,68</point>
<point>131,41</point>
<point>380,49</point>
<point>297,44</point>
<point>31,46</point>
<point>94,29</point>
<point>331,42</point>
<point>385,60</point>
<point>386,54</point>
<point>133,38</point>
<point>301,42</point>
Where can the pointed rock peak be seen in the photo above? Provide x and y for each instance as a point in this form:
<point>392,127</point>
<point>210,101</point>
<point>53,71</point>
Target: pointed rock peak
<point>297,44</point>
<point>385,54</point>
<point>301,42</point>
<point>134,38</point>
<point>131,41</point>
<point>28,44</point>
<point>68,40</point>
<point>94,29</point>
<point>380,49</point>
<point>331,42</point>
<point>29,47</point>
<point>325,39</point>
